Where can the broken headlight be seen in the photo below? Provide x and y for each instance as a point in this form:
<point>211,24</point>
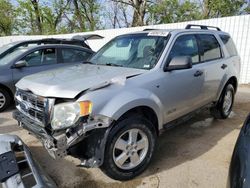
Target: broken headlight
<point>66,114</point>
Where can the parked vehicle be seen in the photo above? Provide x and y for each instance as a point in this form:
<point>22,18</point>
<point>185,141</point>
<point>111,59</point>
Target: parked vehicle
<point>18,168</point>
<point>109,113</point>
<point>240,166</point>
<point>34,59</point>
<point>78,40</point>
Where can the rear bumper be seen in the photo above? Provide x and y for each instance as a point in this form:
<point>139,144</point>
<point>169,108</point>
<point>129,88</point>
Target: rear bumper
<point>22,169</point>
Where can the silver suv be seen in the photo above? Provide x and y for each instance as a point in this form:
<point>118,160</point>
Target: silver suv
<point>109,111</point>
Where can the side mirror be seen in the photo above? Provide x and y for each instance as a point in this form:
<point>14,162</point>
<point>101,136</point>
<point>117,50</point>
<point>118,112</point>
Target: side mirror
<point>20,64</point>
<point>179,62</point>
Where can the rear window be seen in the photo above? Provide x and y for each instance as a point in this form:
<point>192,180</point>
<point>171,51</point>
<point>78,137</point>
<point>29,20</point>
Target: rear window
<point>229,44</point>
<point>210,47</point>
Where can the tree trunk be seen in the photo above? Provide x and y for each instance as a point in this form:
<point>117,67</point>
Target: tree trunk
<point>79,16</point>
<point>38,16</point>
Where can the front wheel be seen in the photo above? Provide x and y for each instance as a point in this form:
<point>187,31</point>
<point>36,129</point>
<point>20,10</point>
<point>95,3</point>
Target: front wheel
<point>5,99</point>
<point>129,148</point>
<point>225,104</point>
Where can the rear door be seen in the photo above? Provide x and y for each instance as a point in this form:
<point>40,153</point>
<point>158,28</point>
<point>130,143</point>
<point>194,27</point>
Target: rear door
<point>213,64</point>
<point>36,61</point>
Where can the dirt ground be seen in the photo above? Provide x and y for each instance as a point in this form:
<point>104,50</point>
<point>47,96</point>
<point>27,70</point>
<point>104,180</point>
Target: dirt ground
<point>196,153</point>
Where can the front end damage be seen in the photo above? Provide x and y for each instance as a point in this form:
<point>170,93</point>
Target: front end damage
<point>17,167</point>
<point>85,139</point>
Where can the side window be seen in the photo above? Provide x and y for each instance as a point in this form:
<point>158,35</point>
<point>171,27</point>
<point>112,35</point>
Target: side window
<point>185,45</point>
<point>229,44</point>
<point>34,58</point>
<point>210,47</point>
<point>73,55</point>
<point>49,56</point>
<point>41,57</point>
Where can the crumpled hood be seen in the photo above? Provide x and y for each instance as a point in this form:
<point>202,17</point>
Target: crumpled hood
<point>68,82</point>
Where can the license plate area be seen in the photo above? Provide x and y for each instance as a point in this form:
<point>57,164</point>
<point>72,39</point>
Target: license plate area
<point>8,165</point>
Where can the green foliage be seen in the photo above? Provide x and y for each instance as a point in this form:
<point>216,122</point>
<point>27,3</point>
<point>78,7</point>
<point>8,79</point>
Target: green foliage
<point>170,11</point>
<point>247,10</point>
<point>7,17</point>
<point>221,8</point>
<point>49,14</point>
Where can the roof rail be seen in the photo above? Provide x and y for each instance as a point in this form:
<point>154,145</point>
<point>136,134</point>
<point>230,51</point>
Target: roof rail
<point>205,27</point>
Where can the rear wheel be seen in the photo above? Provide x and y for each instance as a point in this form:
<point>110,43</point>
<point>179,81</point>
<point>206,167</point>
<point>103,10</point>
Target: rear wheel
<point>5,99</point>
<point>225,104</point>
<point>129,148</point>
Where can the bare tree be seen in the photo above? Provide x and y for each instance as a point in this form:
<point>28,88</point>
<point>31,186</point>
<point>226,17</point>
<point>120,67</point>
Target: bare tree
<point>139,8</point>
<point>86,13</point>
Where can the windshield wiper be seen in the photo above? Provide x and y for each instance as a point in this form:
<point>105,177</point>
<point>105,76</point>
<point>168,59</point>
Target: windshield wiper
<point>113,64</point>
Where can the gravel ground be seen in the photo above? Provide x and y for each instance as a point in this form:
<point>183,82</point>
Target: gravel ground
<point>194,154</point>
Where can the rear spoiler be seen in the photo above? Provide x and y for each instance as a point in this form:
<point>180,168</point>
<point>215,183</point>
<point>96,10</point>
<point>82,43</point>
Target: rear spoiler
<point>87,37</point>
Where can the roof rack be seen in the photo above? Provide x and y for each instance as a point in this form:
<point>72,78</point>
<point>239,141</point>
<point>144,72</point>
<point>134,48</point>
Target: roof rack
<point>205,27</point>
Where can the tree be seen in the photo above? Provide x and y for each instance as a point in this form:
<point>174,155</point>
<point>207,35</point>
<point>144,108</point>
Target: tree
<point>7,16</point>
<point>85,14</point>
<point>53,16</point>
<point>170,11</point>
<point>38,18</point>
<point>117,14</point>
<point>139,10</point>
<point>221,8</point>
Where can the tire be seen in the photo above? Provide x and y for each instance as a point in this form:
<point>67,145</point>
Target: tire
<point>5,99</point>
<point>123,131</point>
<point>221,110</point>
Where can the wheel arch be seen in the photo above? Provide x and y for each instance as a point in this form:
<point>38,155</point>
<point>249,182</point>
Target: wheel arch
<point>231,80</point>
<point>146,112</point>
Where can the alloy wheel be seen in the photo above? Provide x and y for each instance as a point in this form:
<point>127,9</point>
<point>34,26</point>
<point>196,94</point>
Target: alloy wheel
<point>130,149</point>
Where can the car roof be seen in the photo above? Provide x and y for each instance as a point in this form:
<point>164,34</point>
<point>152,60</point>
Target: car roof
<point>81,39</point>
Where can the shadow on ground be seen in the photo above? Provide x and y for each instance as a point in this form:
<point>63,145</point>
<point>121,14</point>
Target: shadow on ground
<point>193,138</point>
<point>176,146</point>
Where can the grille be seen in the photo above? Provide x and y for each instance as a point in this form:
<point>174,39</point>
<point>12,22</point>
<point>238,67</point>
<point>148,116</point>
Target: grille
<point>32,106</point>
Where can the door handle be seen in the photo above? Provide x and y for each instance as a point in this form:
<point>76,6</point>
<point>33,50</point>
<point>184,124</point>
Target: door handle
<point>198,73</point>
<point>223,66</point>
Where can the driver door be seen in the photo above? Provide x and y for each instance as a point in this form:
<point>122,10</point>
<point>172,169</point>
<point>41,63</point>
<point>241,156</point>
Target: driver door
<point>36,61</point>
<point>181,93</point>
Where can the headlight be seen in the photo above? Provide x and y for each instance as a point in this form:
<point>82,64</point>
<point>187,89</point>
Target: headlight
<point>66,114</point>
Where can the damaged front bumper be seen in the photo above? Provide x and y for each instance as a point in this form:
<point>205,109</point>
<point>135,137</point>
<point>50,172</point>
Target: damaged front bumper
<point>89,135</point>
<point>17,167</point>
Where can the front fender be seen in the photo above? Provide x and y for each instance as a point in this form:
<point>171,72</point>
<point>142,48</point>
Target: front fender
<point>127,100</point>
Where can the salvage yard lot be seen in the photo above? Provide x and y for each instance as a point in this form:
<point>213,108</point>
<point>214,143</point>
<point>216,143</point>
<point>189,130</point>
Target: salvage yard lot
<point>196,153</point>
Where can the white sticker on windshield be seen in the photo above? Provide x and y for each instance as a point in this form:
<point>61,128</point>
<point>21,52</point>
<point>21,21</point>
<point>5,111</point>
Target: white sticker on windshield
<point>158,33</point>
<point>146,66</point>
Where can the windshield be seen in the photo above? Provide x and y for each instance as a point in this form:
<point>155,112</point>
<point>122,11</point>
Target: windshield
<point>140,51</point>
<point>6,59</point>
<point>5,47</point>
